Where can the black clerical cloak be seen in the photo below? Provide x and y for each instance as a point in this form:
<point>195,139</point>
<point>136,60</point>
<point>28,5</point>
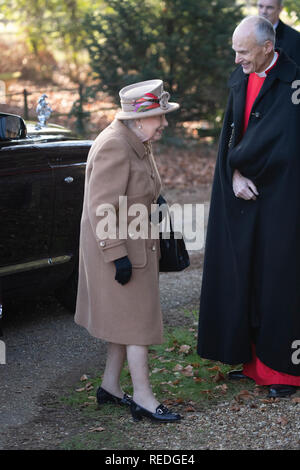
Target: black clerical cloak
<point>251,278</point>
<point>288,39</point>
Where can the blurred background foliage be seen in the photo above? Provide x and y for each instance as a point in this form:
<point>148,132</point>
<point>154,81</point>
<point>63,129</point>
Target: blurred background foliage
<point>185,43</point>
<point>105,45</point>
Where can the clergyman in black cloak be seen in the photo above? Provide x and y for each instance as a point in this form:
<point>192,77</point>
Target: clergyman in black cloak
<point>251,280</point>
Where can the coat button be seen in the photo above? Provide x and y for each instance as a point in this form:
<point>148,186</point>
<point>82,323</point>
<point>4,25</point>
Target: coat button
<point>154,248</point>
<point>152,176</point>
<point>102,243</point>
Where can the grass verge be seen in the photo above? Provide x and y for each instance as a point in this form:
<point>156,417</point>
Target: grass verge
<point>180,379</point>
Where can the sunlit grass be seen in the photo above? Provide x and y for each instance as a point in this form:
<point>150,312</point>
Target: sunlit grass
<point>177,374</point>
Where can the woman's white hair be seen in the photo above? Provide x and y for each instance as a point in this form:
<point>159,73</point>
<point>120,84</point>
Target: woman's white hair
<point>130,123</point>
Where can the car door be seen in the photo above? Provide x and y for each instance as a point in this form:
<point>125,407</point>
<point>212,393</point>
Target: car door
<point>26,216</point>
<point>68,162</point>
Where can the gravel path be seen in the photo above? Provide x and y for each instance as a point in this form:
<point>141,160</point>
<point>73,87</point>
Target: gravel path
<point>47,353</point>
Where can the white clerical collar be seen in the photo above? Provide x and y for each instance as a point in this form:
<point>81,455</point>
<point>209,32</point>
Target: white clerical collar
<point>275,25</point>
<point>263,74</point>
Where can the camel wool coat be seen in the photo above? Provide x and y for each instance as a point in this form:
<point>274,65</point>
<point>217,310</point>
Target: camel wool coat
<point>119,165</point>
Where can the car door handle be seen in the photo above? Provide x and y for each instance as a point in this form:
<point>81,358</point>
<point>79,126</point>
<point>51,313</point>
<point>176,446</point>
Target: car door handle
<point>69,179</point>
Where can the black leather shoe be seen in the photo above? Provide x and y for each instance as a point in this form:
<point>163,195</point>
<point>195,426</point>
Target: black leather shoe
<point>281,391</point>
<point>105,397</point>
<point>237,375</point>
<point>161,415</point>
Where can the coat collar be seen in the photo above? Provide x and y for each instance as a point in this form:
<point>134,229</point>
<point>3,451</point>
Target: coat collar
<point>130,136</point>
<point>279,30</point>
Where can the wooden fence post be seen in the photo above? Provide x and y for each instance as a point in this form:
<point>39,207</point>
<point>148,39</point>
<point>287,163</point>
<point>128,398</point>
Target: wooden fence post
<point>25,93</point>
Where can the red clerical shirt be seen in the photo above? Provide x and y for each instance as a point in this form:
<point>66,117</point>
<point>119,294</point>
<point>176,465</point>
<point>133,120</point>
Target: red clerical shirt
<point>262,374</point>
<point>255,82</point>
<point>254,85</point>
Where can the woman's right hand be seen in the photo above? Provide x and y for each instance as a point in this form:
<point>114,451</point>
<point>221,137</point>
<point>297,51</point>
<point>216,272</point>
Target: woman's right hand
<point>123,270</point>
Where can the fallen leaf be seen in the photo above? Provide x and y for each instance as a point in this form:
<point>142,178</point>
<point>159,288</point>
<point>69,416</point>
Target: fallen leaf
<point>176,382</point>
<point>282,420</point>
<point>218,377</point>
<point>243,395</point>
<point>198,380</point>
<point>170,349</point>
<point>234,408</point>
<point>85,404</point>
<point>188,371</point>
<point>169,402</point>
<point>179,400</point>
<point>88,387</point>
<point>178,368</point>
<point>223,388</point>
<point>184,348</point>
<point>270,400</point>
<point>80,389</point>
<point>296,400</point>
<point>189,409</point>
<point>83,378</point>
<point>92,398</point>
<point>99,429</point>
<point>196,365</point>
<point>214,368</point>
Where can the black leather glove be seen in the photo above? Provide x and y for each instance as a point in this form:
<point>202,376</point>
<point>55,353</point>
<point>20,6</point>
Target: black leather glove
<point>123,270</point>
<point>160,215</point>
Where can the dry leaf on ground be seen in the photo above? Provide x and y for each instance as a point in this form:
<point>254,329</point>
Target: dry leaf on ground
<point>184,348</point>
<point>218,377</point>
<point>178,368</point>
<point>296,400</point>
<point>282,420</point>
<point>188,371</point>
<point>98,429</point>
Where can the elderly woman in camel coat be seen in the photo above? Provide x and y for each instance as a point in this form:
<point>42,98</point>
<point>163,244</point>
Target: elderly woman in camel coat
<point>118,292</point>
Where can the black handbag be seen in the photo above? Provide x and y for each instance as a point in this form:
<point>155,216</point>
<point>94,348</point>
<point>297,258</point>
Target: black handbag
<point>174,256</point>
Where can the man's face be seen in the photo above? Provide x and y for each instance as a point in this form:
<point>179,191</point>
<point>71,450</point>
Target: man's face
<point>269,9</point>
<point>248,53</point>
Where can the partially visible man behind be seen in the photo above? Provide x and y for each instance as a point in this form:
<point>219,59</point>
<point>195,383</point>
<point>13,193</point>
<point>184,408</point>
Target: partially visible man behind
<point>250,298</point>
<point>287,38</point>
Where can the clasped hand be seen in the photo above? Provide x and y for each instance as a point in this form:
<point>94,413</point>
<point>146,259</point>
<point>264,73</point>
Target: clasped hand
<point>243,187</point>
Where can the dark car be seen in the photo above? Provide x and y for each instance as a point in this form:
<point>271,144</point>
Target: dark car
<point>42,172</point>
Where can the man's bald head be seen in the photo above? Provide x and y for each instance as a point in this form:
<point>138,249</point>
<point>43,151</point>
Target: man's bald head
<point>253,42</point>
<point>258,27</point>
